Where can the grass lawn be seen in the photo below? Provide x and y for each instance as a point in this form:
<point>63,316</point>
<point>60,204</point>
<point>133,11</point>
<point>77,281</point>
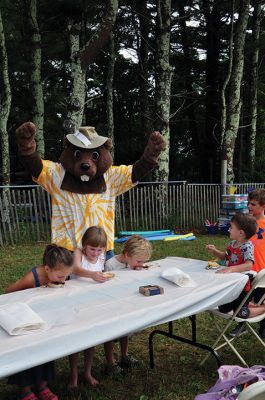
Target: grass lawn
<point>177,374</point>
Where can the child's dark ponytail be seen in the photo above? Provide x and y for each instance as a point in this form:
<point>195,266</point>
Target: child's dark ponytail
<point>54,255</point>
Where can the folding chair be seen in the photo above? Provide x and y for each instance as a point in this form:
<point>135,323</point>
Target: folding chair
<point>258,282</point>
<point>256,391</point>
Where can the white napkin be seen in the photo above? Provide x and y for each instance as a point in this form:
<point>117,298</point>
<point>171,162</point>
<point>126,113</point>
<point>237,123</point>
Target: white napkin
<point>20,319</point>
<point>178,277</point>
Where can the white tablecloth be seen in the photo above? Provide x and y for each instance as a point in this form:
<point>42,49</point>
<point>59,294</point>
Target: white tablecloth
<point>85,313</point>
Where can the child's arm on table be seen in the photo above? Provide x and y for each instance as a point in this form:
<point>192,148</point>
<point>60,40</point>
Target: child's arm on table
<point>217,253</point>
<point>246,266</point>
<point>84,273</point>
<point>26,282</point>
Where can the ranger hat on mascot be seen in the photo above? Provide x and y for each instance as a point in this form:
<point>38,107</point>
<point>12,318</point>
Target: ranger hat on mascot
<point>86,137</point>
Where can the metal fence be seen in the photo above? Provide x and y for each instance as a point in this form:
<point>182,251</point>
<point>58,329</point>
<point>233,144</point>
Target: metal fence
<point>25,211</point>
<point>25,214</point>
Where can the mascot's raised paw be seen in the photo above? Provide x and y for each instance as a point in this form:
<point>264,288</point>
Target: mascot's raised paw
<point>25,136</point>
<point>156,143</point>
<point>26,130</point>
<point>149,160</point>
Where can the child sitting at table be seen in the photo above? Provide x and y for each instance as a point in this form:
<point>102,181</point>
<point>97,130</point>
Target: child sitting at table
<point>88,263</point>
<point>90,259</point>
<point>57,266</point>
<point>136,251</point>
<point>239,257</point>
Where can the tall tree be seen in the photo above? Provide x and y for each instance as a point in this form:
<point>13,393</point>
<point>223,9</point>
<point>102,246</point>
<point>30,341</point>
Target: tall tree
<point>253,109</point>
<point>143,49</point>
<point>81,58</point>
<point>109,90</point>
<point>163,82</point>
<point>5,104</point>
<point>78,76</point>
<point>35,73</point>
<point>223,116</point>
<point>234,97</point>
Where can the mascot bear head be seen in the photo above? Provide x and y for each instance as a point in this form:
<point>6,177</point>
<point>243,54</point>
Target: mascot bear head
<point>86,155</point>
<point>85,158</point>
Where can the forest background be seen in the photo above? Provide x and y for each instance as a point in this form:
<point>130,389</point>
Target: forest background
<point>192,69</point>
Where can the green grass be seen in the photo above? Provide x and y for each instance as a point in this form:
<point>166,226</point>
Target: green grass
<point>177,374</point>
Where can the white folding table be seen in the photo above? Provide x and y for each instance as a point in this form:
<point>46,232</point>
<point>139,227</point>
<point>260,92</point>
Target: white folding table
<point>85,313</point>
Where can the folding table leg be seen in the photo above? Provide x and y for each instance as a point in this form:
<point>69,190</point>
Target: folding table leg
<point>170,335</point>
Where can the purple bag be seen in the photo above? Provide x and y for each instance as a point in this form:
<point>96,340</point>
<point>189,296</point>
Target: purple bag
<point>230,379</point>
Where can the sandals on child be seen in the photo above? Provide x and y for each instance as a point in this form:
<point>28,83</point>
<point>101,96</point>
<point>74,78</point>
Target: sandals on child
<point>243,312</point>
<point>46,394</point>
<point>128,362</point>
<point>114,371</point>
<point>28,396</point>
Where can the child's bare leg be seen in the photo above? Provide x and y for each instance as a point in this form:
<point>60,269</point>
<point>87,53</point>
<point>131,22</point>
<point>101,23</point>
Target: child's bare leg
<point>108,347</point>
<point>112,368</point>
<point>73,360</point>
<point>250,304</point>
<point>254,311</point>
<point>124,343</point>
<point>88,357</point>
<point>127,360</point>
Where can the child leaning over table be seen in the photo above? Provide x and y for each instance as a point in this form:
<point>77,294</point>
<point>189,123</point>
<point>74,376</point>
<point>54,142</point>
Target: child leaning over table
<point>136,251</point>
<point>239,257</point>
<point>88,263</point>
<point>57,266</point>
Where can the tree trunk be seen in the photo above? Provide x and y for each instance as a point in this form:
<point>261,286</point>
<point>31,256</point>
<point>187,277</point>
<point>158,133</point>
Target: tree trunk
<point>226,81</point>
<point>78,76</point>
<point>234,98</point>
<point>163,83</point>
<point>223,117</point>
<point>254,83</point>
<point>144,20</point>
<point>82,58</point>
<point>35,76</point>
<point>5,103</point>
<point>109,88</point>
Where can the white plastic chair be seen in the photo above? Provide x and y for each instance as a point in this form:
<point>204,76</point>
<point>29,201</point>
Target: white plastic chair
<point>256,391</point>
<point>258,282</point>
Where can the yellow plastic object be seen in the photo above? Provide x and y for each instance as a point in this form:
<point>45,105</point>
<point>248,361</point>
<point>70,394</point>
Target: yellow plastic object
<point>232,189</point>
<point>168,239</point>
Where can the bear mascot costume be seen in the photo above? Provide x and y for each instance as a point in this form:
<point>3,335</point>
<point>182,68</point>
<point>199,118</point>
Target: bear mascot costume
<point>84,184</point>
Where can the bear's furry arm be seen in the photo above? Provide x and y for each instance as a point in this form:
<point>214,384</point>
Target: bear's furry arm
<point>149,160</point>
<point>32,163</point>
<point>29,157</point>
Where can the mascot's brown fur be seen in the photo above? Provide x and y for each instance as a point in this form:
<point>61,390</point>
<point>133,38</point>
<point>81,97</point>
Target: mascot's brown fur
<point>83,186</point>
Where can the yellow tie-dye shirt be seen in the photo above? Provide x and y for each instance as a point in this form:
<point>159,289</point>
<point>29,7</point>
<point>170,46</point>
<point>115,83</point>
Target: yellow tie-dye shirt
<point>73,213</point>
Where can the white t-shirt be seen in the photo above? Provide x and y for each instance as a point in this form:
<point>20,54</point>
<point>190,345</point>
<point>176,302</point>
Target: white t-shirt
<point>97,267</point>
<point>113,264</point>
